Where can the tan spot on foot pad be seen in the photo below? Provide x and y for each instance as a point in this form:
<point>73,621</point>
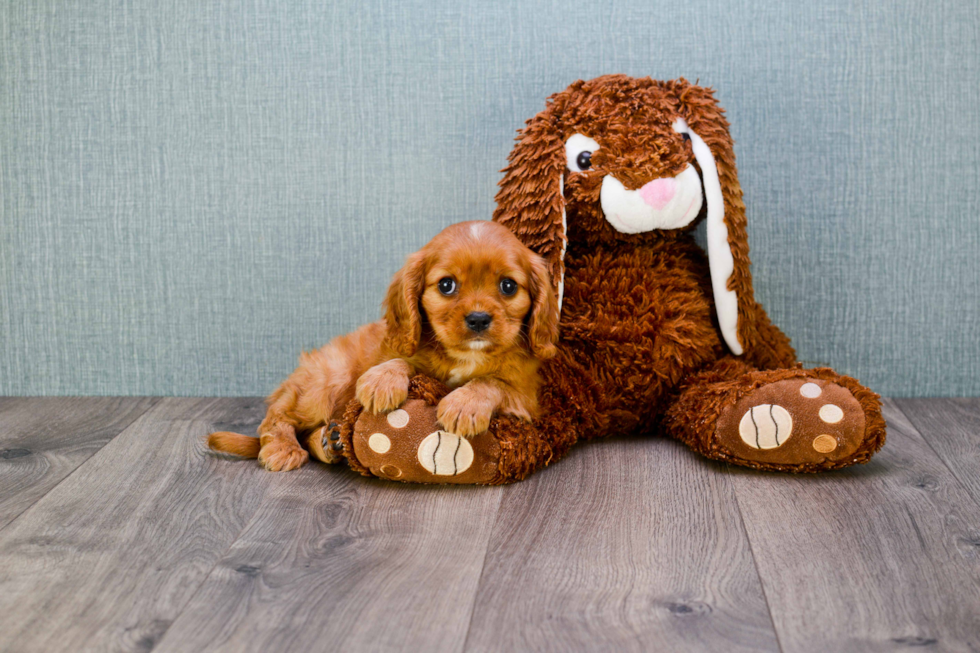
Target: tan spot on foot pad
<point>824,443</point>
<point>391,471</point>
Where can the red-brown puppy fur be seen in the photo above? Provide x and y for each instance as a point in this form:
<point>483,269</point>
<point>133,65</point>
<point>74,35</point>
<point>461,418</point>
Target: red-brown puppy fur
<point>425,331</point>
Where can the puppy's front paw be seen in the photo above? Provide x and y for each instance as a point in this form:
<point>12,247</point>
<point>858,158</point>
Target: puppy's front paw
<point>382,389</point>
<point>281,456</point>
<point>465,412</point>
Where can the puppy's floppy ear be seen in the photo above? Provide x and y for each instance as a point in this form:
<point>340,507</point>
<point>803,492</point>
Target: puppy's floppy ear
<point>728,244</point>
<point>542,328</point>
<point>531,200</point>
<point>402,314</point>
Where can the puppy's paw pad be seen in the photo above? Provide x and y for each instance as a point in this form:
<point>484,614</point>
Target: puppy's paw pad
<point>282,456</point>
<point>324,444</point>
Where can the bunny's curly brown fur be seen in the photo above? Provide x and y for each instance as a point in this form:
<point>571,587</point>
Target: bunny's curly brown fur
<point>646,345</point>
<point>640,348</point>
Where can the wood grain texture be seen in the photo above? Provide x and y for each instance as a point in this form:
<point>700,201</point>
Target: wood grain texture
<point>337,562</point>
<point>152,543</point>
<point>878,557</point>
<point>108,558</point>
<point>952,428</point>
<point>43,440</point>
<point>625,545</point>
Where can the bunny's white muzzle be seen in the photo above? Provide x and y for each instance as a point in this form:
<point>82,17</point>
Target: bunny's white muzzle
<point>666,203</point>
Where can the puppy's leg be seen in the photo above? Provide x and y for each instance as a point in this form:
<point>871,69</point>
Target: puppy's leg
<point>313,397</point>
<point>324,443</point>
<point>467,410</point>
<point>280,450</point>
<point>309,404</point>
<point>384,387</point>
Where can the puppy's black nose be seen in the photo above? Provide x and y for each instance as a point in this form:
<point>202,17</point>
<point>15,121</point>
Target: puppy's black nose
<point>478,322</point>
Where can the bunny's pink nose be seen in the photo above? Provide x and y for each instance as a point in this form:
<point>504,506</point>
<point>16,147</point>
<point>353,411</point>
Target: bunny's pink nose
<point>658,192</point>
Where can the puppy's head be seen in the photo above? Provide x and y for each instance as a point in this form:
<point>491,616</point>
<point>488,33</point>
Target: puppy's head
<point>478,289</point>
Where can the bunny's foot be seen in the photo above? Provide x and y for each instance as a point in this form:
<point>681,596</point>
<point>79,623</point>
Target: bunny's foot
<point>782,420</point>
<point>409,445</point>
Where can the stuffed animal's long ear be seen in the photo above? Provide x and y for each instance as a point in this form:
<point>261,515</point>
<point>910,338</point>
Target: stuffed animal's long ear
<point>402,314</point>
<point>530,201</point>
<point>728,244</point>
<point>542,328</point>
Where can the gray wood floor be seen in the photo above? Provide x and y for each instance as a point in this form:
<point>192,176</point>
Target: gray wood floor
<point>119,532</point>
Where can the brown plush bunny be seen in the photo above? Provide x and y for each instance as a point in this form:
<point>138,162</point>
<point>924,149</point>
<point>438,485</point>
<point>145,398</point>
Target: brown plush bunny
<point>607,184</point>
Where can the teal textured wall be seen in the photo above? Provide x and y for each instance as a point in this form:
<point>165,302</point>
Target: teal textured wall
<point>192,191</point>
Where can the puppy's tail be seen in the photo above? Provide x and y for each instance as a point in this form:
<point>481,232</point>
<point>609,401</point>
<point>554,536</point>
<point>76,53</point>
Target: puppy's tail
<point>234,443</point>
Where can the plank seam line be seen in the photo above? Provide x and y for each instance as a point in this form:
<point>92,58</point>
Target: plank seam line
<point>123,429</point>
<point>939,457</point>
<point>755,563</point>
<point>483,568</point>
<point>266,497</point>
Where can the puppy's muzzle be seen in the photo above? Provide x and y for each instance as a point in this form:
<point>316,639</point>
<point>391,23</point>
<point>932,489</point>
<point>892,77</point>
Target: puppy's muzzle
<point>478,322</point>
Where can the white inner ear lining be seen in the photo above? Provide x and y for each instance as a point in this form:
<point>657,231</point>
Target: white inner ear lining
<point>720,260</point>
<point>564,242</point>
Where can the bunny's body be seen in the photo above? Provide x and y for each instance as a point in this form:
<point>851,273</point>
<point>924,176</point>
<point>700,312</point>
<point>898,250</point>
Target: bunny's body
<point>637,319</point>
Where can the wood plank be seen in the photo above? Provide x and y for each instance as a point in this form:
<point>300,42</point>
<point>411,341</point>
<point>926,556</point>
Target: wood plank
<point>108,558</point>
<point>338,562</point>
<point>875,557</point>
<point>952,428</point>
<point>626,545</point>
<point>44,439</point>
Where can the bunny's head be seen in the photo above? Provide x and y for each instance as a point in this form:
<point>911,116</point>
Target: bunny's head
<point>618,158</point>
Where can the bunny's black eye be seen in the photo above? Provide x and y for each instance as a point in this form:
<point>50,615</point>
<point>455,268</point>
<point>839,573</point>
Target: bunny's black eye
<point>447,286</point>
<point>508,287</point>
<point>579,149</point>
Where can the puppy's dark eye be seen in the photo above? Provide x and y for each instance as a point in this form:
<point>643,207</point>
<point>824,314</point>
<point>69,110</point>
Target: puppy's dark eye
<point>508,287</point>
<point>685,136</point>
<point>447,286</point>
<point>584,160</point>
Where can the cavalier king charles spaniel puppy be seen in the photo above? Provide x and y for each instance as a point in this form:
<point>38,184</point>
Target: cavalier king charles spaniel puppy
<point>475,309</point>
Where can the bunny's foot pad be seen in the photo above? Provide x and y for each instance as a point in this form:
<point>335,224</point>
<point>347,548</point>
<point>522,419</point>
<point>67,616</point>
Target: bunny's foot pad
<point>802,421</point>
<point>409,445</point>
